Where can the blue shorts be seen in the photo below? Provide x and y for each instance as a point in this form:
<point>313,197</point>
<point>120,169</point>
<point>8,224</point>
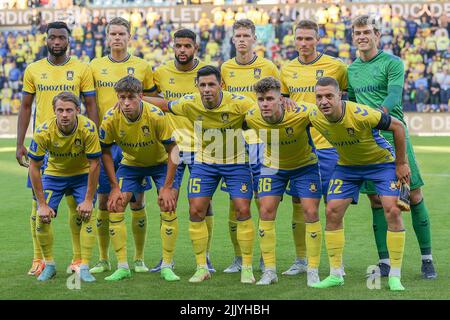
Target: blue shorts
<point>103,181</point>
<point>304,182</point>
<point>256,157</point>
<point>186,160</point>
<point>328,159</point>
<point>56,187</point>
<point>137,179</point>
<point>205,177</point>
<point>347,180</point>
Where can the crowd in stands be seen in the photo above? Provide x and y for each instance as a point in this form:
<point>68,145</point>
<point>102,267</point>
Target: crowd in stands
<point>422,44</point>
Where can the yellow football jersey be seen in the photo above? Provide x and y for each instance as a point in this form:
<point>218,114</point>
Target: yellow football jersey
<point>287,144</point>
<point>354,136</point>
<point>141,140</point>
<point>46,80</point>
<point>174,84</point>
<point>217,132</point>
<point>299,79</point>
<point>108,72</point>
<point>67,154</point>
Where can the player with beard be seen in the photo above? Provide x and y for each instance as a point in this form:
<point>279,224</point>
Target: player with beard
<point>44,79</point>
<point>174,79</point>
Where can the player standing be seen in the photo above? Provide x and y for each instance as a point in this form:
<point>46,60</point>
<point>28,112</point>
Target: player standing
<point>298,79</point>
<point>107,71</point>
<point>44,79</point>
<point>376,79</point>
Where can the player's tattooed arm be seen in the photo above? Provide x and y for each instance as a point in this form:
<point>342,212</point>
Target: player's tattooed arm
<point>44,211</point>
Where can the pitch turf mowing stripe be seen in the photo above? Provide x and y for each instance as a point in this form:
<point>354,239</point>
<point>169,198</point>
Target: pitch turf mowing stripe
<point>7,149</point>
<point>431,149</point>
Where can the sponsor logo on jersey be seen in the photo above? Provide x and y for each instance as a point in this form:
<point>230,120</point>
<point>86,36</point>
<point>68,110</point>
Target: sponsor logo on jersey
<point>171,81</point>
<point>104,72</point>
<point>295,75</point>
<point>232,74</point>
<point>43,76</point>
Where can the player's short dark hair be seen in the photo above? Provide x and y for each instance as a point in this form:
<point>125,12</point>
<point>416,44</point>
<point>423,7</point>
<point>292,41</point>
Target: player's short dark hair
<point>128,84</point>
<point>67,97</point>
<point>208,70</point>
<point>244,23</point>
<point>266,84</point>
<point>118,21</point>
<point>366,20</point>
<point>57,25</point>
<point>185,33</point>
<point>327,81</point>
<point>308,24</point>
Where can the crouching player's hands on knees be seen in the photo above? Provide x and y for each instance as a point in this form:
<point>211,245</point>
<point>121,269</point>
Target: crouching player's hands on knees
<point>46,213</point>
<point>84,210</point>
<point>167,199</point>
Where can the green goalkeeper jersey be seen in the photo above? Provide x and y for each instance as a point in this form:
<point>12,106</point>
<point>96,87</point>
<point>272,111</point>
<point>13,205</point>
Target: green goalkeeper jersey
<point>378,82</point>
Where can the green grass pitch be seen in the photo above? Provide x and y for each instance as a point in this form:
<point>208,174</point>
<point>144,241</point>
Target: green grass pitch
<point>360,252</point>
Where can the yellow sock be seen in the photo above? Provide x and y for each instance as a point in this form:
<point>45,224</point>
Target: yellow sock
<point>44,235</point>
<point>210,225</point>
<point>299,230</point>
<point>396,246</point>
<point>267,242</point>
<point>103,234</point>
<point>139,227</point>
<point>198,232</point>
<point>232,228</point>
<point>87,238</point>
<point>75,227</point>
<point>118,233</point>
<point>313,243</point>
<point>246,237</point>
<point>37,253</point>
<point>335,241</point>
<point>169,235</point>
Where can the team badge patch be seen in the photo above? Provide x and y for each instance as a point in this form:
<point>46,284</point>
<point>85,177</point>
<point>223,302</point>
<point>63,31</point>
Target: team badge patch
<point>312,187</point>
<point>225,117</point>
<point>319,74</point>
<point>257,73</point>
<point>144,182</point>
<point>69,75</point>
<point>146,130</point>
<point>351,132</point>
<point>130,71</point>
<point>393,185</point>
<point>289,131</point>
<point>244,188</point>
<point>77,142</point>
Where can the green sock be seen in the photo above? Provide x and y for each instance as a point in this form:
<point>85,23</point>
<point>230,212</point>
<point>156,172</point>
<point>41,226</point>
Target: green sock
<point>380,231</point>
<point>421,224</point>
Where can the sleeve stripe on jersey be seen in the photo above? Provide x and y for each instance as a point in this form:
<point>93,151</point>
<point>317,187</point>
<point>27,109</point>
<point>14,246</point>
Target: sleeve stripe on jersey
<point>169,106</point>
<point>168,141</point>
<point>93,155</point>
<point>26,92</point>
<point>105,145</point>
<point>152,89</point>
<point>34,157</point>
<point>88,93</point>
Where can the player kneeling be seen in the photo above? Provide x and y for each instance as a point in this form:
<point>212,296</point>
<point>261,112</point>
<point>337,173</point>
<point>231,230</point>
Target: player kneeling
<point>71,141</point>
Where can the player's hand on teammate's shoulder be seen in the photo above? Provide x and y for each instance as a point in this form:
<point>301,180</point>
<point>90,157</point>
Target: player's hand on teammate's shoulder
<point>167,199</point>
<point>46,213</point>
<point>288,104</point>
<point>22,156</point>
<point>115,199</point>
<point>84,210</point>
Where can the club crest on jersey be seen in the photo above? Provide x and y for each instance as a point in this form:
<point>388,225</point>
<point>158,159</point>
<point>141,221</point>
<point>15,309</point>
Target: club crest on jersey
<point>104,71</point>
<point>130,71</point>
<point>319,74</point>
<point>289,131</point>
<point>351,132</point>
<point>145,130</point>
<point>171,81</point>
<point>69,75</point>
<point>225,117</point>
<point>257,73</point>
<point>77,142</point>
<point>393,185</point>
<point>244,188</point>
<point>312,187</point>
